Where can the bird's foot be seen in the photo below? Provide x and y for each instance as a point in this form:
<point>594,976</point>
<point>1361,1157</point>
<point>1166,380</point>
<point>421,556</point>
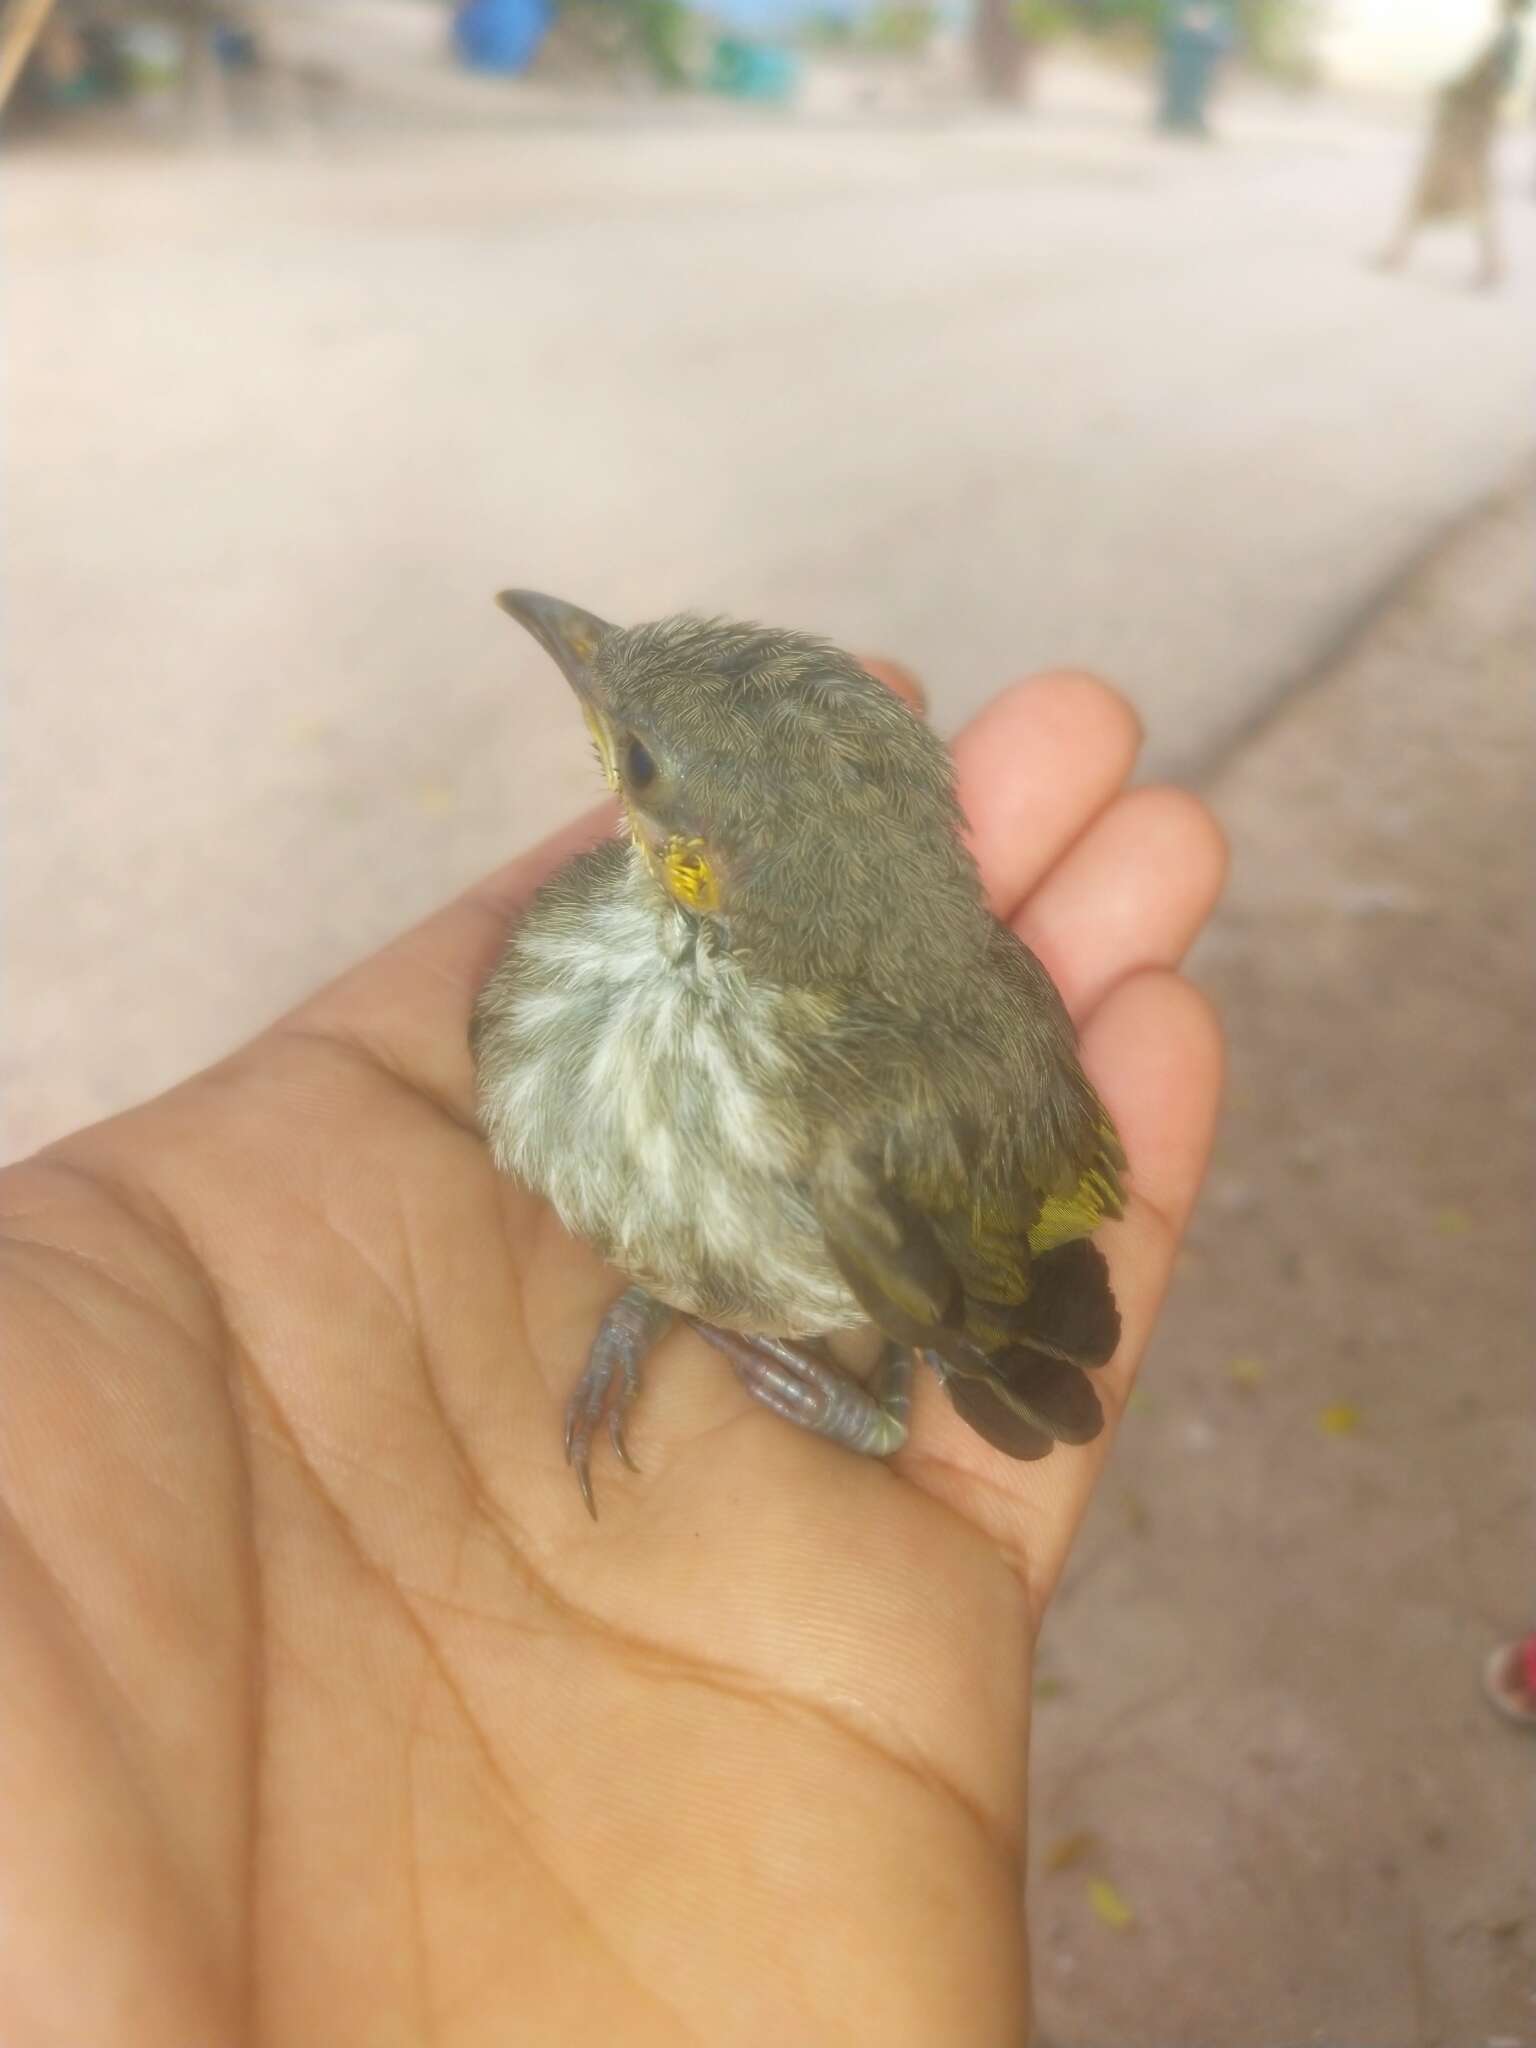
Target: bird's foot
<point>792,1381</point>
<point>632,1325</point>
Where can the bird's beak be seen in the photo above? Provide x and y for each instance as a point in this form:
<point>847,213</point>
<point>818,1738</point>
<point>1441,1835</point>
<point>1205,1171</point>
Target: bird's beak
<point>573,637</point>
<point>565,631</point>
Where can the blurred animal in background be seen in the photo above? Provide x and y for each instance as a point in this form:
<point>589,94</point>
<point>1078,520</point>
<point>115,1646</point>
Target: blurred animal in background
<point>1455,180</point>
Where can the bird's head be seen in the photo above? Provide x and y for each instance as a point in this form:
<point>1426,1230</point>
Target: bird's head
<point>770,784</point>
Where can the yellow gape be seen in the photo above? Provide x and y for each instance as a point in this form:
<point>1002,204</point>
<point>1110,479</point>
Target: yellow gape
<point>689,876</point>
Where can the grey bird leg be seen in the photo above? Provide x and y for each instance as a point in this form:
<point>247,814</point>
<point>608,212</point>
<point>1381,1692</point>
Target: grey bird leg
<point>632,1325</point>
<point>796,1384</point>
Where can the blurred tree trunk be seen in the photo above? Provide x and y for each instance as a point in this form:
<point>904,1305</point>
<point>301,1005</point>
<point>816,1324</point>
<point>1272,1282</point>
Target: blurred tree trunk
<point>1000,51</point>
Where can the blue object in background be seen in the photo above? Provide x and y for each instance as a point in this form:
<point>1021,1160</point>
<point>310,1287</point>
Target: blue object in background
<point>751,59</point>
<point>500,35</point>
<point>235,48</point>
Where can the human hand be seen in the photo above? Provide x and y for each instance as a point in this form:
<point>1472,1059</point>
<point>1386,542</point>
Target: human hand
<point>329,1715</point>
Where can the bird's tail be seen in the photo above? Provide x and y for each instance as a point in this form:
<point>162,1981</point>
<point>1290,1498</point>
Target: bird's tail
<point>1032,1390</point>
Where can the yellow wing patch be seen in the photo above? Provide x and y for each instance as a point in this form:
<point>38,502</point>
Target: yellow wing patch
<point>1094,1199</point>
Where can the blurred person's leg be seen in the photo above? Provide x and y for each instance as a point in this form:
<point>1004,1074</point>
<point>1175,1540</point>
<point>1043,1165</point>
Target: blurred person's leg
<point>1395,254</point>
<point>1490,270</point>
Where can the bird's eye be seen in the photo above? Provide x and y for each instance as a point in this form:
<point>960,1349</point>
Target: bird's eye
<point>639,768</point>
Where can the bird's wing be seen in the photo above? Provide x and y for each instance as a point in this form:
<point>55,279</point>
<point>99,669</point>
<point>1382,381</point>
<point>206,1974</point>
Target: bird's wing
<point>965,1232</point>
<point>1009,1329</point>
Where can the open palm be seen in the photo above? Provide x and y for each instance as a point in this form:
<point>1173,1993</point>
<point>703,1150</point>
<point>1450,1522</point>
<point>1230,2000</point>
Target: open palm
<point>330,1717</point>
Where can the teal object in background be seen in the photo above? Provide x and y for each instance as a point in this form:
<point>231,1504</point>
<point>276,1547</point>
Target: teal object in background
<point>753,71</point>
<point>1198,35</point>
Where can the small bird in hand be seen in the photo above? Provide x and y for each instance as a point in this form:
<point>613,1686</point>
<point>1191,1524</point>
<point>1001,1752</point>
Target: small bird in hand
<point>771,1055</point>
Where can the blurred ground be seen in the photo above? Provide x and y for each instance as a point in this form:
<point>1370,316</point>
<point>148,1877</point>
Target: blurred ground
<point>984,394</point>
<point>1261,1694</point>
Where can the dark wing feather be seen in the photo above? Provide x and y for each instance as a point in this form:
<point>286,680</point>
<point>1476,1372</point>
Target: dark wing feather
<point>979,1403</point>
<point>960,1219</point>
<point>890,1257</point>
<point>1071,1310</point>
<point>1051,1393</point>
<point>1011,1369</point>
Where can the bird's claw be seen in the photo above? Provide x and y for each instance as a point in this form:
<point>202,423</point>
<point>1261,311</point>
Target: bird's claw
<point>610,1383</point>
<point>616,1424</point>
<point>581,1415</point>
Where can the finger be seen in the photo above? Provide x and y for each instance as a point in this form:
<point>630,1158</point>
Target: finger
<point>1035,768</point>
<point>1153,1049</point>
<point>900,679</point>
<point>1154,1052</point>
<point>1132,893</point>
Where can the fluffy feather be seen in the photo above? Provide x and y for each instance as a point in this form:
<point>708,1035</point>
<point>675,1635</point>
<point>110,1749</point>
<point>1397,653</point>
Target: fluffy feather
<point>845,1094</point>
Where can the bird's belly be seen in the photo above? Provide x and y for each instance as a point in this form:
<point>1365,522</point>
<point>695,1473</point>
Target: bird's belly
<point>641,1102</point>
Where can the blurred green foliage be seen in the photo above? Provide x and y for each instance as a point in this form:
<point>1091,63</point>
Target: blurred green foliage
<point>661,34</point>
<point>897,27</point>
<point>1039,21</point>
<point>655,32</point>
<point>828,30</point>
<point>1273,34</point>
<point>1277,35</point>
<point>901,30</point>
<point>660,31</point>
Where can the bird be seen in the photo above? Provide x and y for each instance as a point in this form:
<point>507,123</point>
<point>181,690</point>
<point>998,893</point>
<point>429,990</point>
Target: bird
<point>771,1055</point>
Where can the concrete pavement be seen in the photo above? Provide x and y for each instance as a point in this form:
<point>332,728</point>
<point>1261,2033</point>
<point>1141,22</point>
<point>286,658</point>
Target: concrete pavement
<point>989,395</point>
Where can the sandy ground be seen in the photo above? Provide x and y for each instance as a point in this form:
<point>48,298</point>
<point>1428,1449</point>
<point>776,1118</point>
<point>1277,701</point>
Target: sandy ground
<point>986,395</point>
<point>1261,1696</point>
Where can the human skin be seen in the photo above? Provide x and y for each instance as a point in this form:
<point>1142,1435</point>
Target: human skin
<point>328,1714</point>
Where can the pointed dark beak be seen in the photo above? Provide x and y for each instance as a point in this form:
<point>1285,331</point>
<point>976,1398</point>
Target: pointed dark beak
<point>563,630</point>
